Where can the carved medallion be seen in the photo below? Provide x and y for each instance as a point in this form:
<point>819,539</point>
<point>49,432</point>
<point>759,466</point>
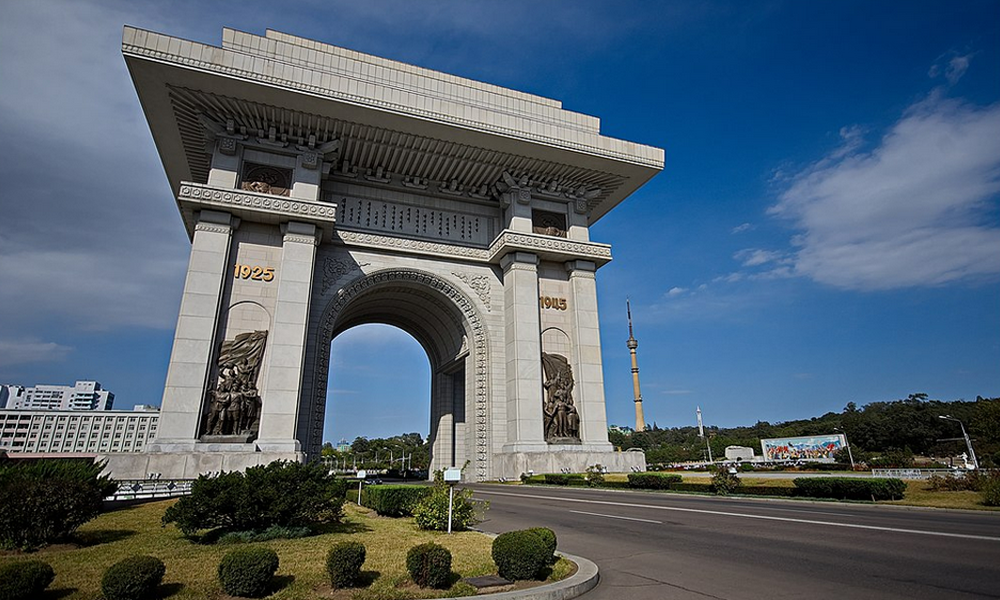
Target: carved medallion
<point>335,268</point>
<point>264,179</point>
<point>548,223</point>
<point>479,284</point>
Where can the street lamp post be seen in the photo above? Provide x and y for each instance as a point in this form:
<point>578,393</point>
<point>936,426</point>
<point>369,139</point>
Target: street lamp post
<point>847,444</point>
<point>968,442</point>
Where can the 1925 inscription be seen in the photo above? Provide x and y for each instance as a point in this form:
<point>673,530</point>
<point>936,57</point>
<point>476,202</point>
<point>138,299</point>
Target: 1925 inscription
<point>254,272</point>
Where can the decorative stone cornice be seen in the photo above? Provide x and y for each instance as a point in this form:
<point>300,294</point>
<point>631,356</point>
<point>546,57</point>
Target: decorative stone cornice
<point>213,227</point>
<point>301,239</point>
<point>196,195</point>
<point>548,248</point>
<point>385,242</point>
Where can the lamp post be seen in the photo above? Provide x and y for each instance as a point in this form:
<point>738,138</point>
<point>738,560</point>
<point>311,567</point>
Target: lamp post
<point>847,445</point>
<point>968,442</point>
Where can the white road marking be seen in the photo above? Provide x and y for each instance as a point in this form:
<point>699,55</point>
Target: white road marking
<point>748,516</point>
<point>580,512</point>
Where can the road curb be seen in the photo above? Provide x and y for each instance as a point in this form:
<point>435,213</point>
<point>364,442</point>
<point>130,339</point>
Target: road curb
<point>577,584</point>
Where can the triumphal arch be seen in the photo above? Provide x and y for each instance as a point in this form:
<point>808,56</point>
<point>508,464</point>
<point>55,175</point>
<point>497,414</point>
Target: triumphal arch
<point>324,188</point>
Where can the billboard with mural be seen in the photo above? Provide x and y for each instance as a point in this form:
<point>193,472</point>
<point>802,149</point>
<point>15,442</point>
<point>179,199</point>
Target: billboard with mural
<point>811,447</point>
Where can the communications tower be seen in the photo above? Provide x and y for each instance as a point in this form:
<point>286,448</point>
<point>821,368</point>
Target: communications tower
<point>640,422</point>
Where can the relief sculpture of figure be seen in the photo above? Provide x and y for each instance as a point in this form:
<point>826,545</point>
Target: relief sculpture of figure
<point>234,401</point>
<point>561,419</point>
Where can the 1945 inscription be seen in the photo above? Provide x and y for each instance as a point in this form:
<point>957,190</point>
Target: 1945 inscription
<point>553,303</point>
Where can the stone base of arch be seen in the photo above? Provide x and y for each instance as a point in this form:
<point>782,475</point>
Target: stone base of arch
<point>511,465</point>
<point>189,464</point>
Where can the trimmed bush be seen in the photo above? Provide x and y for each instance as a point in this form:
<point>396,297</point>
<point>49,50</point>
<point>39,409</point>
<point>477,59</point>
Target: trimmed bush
<point>133,578</point>
<point>989,487</point>
<point>429,565</point>
<point>519,555</point>
<point>595,476</point>
<point>343,563</point>
<point>247,572</point>
<point>548,537</point>
<point>850,488</point>
<point>25,580</point>
<point>653,481</point>
<point>394,500</point>
<point>564,479</point>
<point>47,500</point>
<point>282,493</point>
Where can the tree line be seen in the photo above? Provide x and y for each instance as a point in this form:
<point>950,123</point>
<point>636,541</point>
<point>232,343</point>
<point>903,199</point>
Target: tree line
<point>406,451</point>
<point>894,429</point>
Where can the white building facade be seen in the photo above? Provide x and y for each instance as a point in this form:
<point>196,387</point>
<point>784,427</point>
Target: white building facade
<point>83,395</point>
<point>69,432</point>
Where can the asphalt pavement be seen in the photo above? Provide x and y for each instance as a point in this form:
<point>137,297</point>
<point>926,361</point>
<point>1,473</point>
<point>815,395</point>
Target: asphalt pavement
<point>665,546</point>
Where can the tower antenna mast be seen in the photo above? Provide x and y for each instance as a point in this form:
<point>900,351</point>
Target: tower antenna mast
<point>640,422</point>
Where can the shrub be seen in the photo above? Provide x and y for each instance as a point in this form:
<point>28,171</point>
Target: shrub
<point>24,580</point>
<point>47,500</point>
<point>394,500</point>
<point>548,537</point>
<point>519,554</point>
<point>343,563</point>
<point>247,571</point>
<point>595,476</point>
<point>850,488</point>
<point>989,487</point>
<point>653,481</point>
<point>724,482</point>
<point>282,493</point>
<point>275,532</point>
<point>133,578</point>
<point>429,565</point>
<point>432,511</point>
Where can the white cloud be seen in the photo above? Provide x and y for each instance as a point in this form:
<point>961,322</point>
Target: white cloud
<point>913,211</point>
<point>753,257</point>
<point>742,227</point>
<point>675,291</point>
<point>677,392</point>
<point>23,351</point>
<point>952,65</point>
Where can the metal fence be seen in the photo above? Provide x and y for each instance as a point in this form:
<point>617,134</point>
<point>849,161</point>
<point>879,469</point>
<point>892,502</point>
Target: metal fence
<point>914,473</point>
<point>149,489</point>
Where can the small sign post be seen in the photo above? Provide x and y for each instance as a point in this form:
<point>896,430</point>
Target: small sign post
<point>361,480</point>
<point>451,477</point>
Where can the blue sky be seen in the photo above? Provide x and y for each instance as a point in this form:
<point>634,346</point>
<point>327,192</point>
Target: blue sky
<point>826,229</point>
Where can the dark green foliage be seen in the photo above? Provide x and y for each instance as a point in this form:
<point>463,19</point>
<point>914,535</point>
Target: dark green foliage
<point>519,555</point>
<point>548,537</point>
<point>247,572</point>
<point>429,565</point>
<point>343,563</point>
<point>133,578</point>
<point>653,481</point>
<point>282,493</point>
<point>394,500</point>
<point>48,500</point>
<point>432,511</point>
<point>25,580</point>
<point>564,479</point>
<point>850,488</point>
<point>725,483</point>
<point>275,532</point>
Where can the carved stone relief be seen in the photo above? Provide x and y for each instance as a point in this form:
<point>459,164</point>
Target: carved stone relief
<point>548,223</point>
<point>234,401</point>
<point>561,419</point>
<point>266,180</point>
<point>479,284</point>
<point>335,268</point>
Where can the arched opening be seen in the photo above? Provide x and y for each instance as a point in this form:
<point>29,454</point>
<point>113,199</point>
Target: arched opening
<point>444,322</point>
<point>379,387</point>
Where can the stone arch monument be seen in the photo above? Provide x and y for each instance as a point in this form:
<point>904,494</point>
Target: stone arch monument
<point>324,188</point>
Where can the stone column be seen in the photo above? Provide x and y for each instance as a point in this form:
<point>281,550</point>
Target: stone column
<point>523,353</point>
<point>194,339</point>
<point>280,397</point>
<point>589,391</point>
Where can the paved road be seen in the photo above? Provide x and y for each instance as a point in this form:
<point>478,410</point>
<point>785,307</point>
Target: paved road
<point>667,546</point>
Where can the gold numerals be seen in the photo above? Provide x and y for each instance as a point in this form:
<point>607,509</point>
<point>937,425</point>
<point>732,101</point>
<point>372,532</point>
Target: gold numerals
<point>553,303</point>
<point>254,272</point>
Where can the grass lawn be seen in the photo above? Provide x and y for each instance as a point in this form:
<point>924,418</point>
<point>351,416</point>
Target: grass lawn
<point>192,568</point>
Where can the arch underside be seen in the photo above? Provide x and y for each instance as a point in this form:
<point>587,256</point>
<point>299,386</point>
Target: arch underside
<point>444,322</point>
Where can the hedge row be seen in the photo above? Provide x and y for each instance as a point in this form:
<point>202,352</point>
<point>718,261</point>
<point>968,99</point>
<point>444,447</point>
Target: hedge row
<point>653,480</point>
<point>394,500</point>
<point>850,488</point>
